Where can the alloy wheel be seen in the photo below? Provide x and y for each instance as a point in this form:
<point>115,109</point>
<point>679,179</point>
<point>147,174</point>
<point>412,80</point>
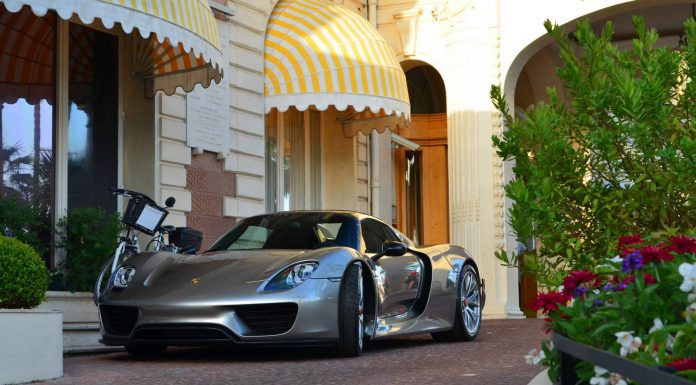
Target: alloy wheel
<point>471,302</point>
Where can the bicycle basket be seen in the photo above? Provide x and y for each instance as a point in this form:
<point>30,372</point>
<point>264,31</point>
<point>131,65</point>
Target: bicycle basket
<point>144,215</point>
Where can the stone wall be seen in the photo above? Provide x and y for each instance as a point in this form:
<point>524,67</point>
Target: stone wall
<point>209,183</point>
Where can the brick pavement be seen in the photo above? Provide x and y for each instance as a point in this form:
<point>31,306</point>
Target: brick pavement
<point>496,357</point>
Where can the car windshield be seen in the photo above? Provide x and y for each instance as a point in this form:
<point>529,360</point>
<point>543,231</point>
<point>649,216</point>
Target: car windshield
<point>301,231</point>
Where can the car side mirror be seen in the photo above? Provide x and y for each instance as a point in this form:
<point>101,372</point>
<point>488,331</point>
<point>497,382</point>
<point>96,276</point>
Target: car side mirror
<point>391,249</point>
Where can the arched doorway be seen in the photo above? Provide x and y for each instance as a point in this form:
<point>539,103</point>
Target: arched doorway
<point>421,173</point>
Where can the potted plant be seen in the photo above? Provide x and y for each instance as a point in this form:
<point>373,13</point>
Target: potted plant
<point>32,339</point>
<point>87,235</point>
<point>631,318</point>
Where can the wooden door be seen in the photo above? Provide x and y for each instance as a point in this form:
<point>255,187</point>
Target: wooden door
<point>430,132</point>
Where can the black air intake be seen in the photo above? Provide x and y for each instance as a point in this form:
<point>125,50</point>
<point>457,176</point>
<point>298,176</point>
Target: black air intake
<point>118,320</point>
<point>268,319</point>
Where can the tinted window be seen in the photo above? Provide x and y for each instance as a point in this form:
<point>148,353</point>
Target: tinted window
<point>303,231</point>
<point>375,234</point>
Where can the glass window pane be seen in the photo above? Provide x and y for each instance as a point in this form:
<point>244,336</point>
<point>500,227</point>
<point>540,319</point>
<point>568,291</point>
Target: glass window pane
<point>272,161</point>
<point>413,196</point>
<point>27,75</point>
<point>293,160</point>
<point>93,118</point>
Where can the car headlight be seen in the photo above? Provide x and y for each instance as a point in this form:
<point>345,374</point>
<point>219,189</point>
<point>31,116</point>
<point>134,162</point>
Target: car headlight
<point>124,276</point>
<point>292,276</point>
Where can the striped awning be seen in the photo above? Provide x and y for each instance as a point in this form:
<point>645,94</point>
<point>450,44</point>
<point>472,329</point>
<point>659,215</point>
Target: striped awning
<point>319,53</point>
<point>176,45</point>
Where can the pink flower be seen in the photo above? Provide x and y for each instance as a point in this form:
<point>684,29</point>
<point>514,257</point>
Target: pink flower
<point>682,244</point>
<point>578,282</point>
<point>687,363</point>
<point>547,302</point>
<point>655,254</point>
<point>626,242</point>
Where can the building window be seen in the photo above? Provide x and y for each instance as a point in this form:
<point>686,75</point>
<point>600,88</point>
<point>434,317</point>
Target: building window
<point>27,74</point>
<point>414,226</point>
<point>92,118</point>
<point>32,56</point>
<point>293,159</point>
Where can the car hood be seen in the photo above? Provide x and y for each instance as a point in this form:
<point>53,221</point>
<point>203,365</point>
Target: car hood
<point>197,277</point>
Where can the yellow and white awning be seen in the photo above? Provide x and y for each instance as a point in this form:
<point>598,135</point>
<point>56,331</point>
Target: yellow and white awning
<point>177,42</point>
<point>320,53</point>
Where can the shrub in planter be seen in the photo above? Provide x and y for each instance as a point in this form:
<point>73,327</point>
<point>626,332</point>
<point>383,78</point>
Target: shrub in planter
<point>23,275</point>
<point>618,158</point>
<point>640,305</point>
<point>88,235</point>
<point>25,222</point>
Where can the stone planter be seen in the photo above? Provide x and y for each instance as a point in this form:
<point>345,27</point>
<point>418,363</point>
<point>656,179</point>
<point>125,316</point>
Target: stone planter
<point>32,345</point>
<point>80,320</point>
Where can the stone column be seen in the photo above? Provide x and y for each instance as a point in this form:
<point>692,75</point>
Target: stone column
<point>477,211</point>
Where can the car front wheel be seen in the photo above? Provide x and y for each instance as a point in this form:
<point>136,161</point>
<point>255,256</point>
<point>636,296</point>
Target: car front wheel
<point>467,322</point>
<point>351,313</point>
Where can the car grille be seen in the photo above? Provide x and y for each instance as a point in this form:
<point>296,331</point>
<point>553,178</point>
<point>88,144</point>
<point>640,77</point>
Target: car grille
<point>198,332</point>
<point>118,320</point>
<point>268,318</point>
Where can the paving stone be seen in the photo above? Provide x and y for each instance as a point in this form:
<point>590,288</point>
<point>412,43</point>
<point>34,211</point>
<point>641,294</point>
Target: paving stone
<point>496,357</point>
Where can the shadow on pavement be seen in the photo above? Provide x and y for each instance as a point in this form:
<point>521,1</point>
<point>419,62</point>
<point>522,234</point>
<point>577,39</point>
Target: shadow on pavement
<point>258,354</point>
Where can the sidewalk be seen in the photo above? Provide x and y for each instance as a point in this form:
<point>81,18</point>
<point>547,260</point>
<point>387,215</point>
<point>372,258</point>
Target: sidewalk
<point>496,357</point>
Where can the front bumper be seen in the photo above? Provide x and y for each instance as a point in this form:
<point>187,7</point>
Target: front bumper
<point>250,319</point>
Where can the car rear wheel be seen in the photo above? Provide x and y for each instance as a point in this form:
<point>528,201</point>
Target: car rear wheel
<point>467,322</point>
<point>351,313</point>
<point>145,351</point>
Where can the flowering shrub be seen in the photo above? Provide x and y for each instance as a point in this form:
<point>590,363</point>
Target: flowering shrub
<point>640,305</point>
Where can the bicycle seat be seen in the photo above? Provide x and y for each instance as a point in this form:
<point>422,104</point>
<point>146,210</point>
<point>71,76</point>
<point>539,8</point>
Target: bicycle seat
<point>167,228</point>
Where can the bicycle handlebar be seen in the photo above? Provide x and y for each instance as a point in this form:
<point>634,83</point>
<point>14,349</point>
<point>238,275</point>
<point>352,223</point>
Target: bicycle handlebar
<point>129,193</point>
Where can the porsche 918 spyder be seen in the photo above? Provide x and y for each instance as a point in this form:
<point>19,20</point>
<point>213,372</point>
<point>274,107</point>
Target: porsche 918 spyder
<point>307,277</point>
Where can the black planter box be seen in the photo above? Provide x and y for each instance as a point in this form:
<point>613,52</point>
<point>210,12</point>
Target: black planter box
<point>645,375</point>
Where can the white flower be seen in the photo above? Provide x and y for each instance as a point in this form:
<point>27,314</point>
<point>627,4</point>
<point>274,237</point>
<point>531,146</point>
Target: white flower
<point>617,379</point>
<point>690,310</point>
<point>688,271</point>
<point>629,343</point>
<point>617,259</point>
<point>599,377</point>
<point>603,377</point>
<point>599,381</point>
<point>532,358</point>
<point>624,338</point>
<point>670,342</point>
<point>657,325</point>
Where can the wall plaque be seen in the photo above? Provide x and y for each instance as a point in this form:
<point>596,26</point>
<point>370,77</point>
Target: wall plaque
<point>208,112</point>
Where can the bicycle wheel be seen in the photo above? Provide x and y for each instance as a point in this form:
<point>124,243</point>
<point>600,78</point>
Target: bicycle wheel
<point>102,279</point>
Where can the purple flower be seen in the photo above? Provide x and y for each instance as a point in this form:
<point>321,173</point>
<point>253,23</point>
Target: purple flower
<point>632,261</point>
<point>618,287</point>
<point>579,291</point>
<point>598,302</point>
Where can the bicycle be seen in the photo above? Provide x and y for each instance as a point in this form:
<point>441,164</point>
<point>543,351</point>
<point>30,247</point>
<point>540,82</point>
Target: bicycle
<point>142,215</point>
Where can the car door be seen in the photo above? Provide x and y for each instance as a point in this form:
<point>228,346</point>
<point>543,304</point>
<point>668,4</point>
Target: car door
<point>400,278</point>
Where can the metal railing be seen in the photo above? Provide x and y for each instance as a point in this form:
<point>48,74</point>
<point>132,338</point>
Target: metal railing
<point>571,351</point>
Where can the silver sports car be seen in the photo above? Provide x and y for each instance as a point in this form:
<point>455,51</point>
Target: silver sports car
<point>309,278</point>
